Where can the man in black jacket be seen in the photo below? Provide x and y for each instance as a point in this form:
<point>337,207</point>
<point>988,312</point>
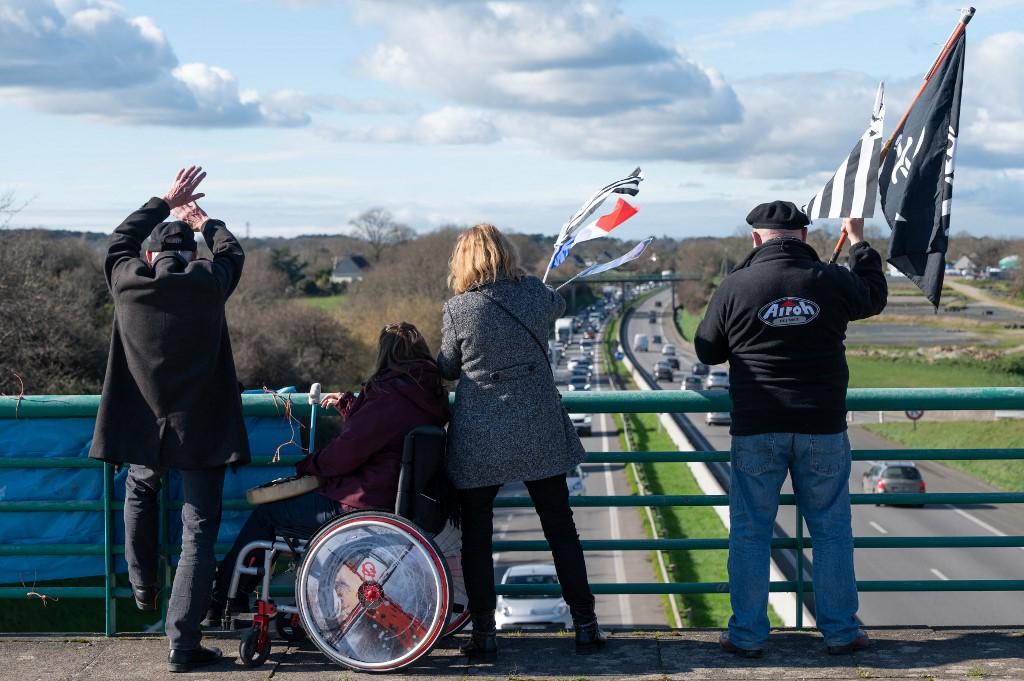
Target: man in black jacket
<point>171,398</point>
<point>780,320</point>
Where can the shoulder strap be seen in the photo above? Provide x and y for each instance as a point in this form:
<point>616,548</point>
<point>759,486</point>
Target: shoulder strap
<point>540,346</point>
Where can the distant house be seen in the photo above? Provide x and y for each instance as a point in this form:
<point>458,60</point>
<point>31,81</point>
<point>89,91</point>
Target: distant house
<point>349,268</point>
<point>965,266</point>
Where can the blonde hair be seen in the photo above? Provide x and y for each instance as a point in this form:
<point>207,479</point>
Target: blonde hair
<point>482,255</point>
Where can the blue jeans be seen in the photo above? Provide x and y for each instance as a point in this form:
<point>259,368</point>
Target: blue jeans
<point>820,469</point>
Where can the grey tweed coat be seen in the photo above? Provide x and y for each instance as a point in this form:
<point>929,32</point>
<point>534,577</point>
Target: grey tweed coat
<point>508,423</point>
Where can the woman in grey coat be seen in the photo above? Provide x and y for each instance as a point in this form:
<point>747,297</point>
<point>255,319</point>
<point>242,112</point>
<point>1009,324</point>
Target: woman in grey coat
<point>508,423</point>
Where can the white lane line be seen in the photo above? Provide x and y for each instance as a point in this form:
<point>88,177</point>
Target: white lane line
<point>878,527</point>
<point>979,522</point>
<point>625,608</point>
<point>939,575</point>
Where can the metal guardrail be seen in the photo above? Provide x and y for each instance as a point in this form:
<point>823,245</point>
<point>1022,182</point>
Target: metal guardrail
<point>84,406</point>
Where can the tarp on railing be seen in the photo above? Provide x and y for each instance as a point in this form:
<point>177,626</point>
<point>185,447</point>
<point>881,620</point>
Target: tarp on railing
<point>21,438</point>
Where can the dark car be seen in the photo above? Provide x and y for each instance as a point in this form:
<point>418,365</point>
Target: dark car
<point>672,362</point>
<point>662,371</point>
<point>652,316</point>
<point>655,338</point>
<point>889,477</point>
<point>700,369</point>
<point>692,382</point>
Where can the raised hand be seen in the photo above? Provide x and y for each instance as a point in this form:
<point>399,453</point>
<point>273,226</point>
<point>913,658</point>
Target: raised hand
<point>854,228</point>
<point>184,184</point>
<point>191,214</point>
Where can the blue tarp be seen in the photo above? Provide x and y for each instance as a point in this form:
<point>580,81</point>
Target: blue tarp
<point>71,438</point>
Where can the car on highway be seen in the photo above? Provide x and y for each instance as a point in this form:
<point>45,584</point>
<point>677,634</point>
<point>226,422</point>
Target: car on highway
<point>668,349</point>
<point>673,362</point>
<point>581,372</point>
<point>640,342</point>
<point>692,382</point>
<point>532,610</point>
<point>574,479</point>
<point>657,303</point>
<point>655,339</point>
<point>893,477</point>
<point>652,316</point>
<point>587,348</point>
<point>579,383</point>
<point>662,371</point>
<point>582,423</point>
<point>718,378</point>
<point>700,369</point>
<point>577,362</point>
<point>717,418</point>
<point>590,334</point>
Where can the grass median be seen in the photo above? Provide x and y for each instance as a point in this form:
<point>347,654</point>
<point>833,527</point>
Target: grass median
<point>1009,434</point>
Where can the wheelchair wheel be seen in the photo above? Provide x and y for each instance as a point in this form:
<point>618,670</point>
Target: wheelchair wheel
<point>449,540</point>
<point>373,591</point>
<point>254,648</point>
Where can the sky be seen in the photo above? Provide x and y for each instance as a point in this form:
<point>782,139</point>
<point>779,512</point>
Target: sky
<point>306,113</point>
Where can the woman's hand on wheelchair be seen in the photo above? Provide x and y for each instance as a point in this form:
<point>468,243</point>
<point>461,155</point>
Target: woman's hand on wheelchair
<point>342,402</point>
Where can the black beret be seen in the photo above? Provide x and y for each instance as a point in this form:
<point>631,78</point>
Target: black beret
<point>777,215</point>
<point>172,236</point>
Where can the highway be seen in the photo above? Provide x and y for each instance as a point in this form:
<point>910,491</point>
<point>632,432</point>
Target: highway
<point>592,523</point>
<point>930,608</point>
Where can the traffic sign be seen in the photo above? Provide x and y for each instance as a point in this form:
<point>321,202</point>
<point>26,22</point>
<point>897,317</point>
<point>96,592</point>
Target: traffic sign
<point>914,414</point>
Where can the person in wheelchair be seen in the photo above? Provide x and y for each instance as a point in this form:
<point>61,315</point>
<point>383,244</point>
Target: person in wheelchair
<point>359,468</point>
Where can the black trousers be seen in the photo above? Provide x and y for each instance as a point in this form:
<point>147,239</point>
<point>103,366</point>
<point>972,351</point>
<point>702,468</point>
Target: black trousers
<point>551,500</point>
<point>200,519</point>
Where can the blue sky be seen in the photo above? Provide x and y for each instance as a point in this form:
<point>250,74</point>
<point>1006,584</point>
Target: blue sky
<point>307,112</point>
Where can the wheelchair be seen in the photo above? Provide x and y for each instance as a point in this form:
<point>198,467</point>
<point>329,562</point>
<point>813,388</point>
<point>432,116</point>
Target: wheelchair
<point>374,590</point>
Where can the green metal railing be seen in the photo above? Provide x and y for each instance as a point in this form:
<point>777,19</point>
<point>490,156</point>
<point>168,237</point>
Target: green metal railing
<point>84,406</point>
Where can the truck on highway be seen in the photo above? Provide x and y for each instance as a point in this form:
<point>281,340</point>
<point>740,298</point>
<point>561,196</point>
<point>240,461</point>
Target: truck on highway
<point>640,341</point>
<point>563,329</point>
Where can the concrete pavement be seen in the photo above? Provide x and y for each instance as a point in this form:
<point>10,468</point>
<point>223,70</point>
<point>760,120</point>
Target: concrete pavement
<point>924,653</point>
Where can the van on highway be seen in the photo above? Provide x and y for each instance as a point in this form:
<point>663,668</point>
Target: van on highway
<point>640,342</point>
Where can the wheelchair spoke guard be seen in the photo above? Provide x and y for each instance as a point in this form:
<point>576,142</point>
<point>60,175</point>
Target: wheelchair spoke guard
<point>373,591</point>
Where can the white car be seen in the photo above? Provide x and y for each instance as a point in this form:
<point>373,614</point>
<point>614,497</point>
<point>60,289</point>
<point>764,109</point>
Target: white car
<point>574,481</point>
<point>582,423</point>
<point>668,349</point>
<point>531,611</point>
<point>718,378</point>
<point>579,383</point>
<point>718,418</point>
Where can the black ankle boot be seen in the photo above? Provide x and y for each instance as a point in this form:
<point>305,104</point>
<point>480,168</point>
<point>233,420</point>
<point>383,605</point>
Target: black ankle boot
<point>589,637</point>
<point>483,641</point>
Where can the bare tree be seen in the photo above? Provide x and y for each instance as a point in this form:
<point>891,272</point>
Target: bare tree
<point>379,229</point>
<point>9,207</point>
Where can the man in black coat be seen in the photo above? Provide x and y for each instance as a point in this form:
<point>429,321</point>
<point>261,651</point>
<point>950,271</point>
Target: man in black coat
<point>171,397</point>
<point>780,320</point>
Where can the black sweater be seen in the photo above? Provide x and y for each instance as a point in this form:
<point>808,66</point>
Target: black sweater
<point>780,319</point>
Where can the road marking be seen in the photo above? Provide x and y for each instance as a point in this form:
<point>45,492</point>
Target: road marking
<point>625,608</point>
<point>979,522</point>
<point>878,527</point>
<point>939,575</point>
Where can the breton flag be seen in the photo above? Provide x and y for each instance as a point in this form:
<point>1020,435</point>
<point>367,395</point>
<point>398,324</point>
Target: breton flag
<point>627,185</point>
<point>595,230</point>
<point>632,254</point>
<point>916,180</point>
<point>851,192</point>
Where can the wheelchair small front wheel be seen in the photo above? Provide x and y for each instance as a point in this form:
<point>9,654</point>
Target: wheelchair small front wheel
<point>254,648</point>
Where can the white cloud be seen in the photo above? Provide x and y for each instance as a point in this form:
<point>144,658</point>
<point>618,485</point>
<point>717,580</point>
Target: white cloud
<point>996,91</point>
<point>90,57</point>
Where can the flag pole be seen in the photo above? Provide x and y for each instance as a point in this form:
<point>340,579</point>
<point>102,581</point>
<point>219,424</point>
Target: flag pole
<point>965,18</point>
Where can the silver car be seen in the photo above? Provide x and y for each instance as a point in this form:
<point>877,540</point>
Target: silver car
<point>520,611</point>
<point>718,378</point>
<point>893,477</point>
<point>717,418</point>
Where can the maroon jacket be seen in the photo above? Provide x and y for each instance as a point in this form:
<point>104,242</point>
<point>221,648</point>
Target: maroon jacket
<point>360,467</point>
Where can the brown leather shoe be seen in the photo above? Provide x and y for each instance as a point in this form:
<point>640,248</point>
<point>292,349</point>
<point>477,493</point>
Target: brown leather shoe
<point>860,643</point>
<point>728,646</point>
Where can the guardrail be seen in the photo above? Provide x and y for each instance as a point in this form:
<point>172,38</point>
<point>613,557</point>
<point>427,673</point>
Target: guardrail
<point>870,399</point>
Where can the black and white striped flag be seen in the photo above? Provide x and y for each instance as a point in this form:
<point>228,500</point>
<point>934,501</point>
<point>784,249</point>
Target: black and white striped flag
<point>852,191</point>
<point>627,185</point>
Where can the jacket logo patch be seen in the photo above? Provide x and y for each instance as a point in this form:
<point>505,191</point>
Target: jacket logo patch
<point>789,312</point>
